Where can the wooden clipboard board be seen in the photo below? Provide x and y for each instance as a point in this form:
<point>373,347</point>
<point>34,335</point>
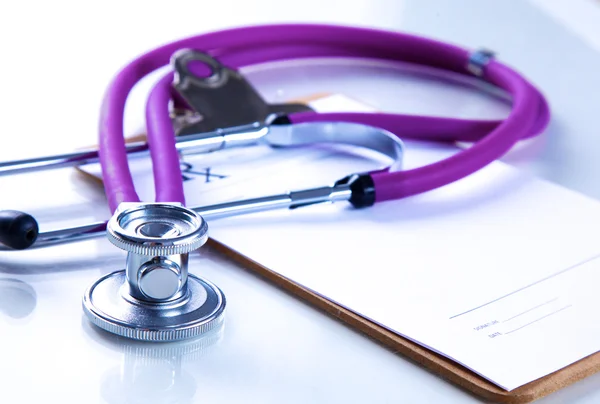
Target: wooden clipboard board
<point>436,363</point>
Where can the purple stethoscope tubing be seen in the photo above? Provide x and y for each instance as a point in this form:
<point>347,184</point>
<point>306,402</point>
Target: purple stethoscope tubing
<point>252,45</point>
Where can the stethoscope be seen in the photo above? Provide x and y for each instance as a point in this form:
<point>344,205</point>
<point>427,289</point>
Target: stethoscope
<point>214,108</point>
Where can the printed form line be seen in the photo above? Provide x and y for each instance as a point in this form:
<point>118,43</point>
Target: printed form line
<point>541,318</point>
<point>528,286</point>
<point>533,308</point>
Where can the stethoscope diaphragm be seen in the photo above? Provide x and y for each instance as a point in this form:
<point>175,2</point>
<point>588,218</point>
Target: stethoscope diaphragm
<point>154,298</point>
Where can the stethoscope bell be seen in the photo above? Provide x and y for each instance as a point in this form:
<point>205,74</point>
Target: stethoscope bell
<point>154,298</point>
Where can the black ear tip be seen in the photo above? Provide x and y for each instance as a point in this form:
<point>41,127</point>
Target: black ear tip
<point>18,230</point>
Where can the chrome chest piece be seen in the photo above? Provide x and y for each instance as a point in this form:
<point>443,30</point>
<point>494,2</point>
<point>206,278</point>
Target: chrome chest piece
<point>154,298</point>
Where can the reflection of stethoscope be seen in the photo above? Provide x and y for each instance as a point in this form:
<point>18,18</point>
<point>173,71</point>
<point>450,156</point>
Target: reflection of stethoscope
<point>155,298</point>
<point>153,373</point>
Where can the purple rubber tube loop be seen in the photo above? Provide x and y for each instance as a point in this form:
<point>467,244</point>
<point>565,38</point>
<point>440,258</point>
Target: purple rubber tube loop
<point>245,46</point>
<point>427,128</point>
<point>525,112</point>
<point>410,126</point>
<point>359,41</point>
<point>168,184</point>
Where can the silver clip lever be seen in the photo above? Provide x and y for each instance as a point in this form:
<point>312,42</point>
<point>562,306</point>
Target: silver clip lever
<point>224,98</point>
<point>232,114</point>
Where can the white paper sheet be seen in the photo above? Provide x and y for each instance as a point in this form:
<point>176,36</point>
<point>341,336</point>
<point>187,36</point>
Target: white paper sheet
<point>497,271</point>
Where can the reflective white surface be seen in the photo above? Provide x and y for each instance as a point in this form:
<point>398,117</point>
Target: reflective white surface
<point>273,349</point>
<point>58,58</point>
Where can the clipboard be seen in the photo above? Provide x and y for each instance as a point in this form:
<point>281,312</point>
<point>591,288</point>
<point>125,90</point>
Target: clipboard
<point>440,365</point>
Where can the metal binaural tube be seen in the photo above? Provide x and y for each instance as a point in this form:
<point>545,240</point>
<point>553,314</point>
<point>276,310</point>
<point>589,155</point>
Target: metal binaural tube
<point>294,199</point>
<point>185,144</point>
<point>63,160</point>
<point>278,135</point>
